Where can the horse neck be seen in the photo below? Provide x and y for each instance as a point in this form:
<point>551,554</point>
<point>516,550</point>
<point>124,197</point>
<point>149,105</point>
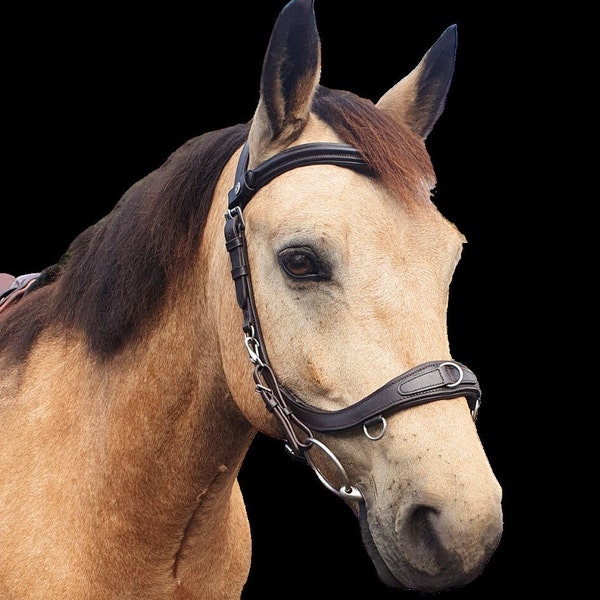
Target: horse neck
<point>154,424</point>
<point>141,450</point>
<point>171,406</point>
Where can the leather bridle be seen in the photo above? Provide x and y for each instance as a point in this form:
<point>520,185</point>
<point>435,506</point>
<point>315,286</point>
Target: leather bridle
<point>434,380</point>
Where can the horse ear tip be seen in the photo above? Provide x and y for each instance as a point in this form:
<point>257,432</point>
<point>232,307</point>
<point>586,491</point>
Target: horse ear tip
<point>306,4</point>
<point>451,31</point>
<point>295,9</point>
<point>448,39</point>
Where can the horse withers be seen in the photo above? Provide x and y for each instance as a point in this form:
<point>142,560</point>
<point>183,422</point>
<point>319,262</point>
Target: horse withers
<point>287,276</point>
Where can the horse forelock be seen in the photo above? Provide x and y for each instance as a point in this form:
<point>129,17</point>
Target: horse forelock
<point>396,155</point>
<point>114,274</point>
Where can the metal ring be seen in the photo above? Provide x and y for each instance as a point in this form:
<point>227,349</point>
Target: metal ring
<point>253,348</point>
<point>347,490</point>
<point>461,373</point>
<point>476,409</point>
<point>370,422</point>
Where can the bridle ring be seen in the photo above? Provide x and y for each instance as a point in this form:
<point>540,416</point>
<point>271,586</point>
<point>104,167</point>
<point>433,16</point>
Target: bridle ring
<point>346,491</point>
<point>461,374</point>
<point>367,424</point>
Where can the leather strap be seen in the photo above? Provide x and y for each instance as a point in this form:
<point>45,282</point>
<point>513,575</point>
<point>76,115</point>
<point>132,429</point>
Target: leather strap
<point>249,181</point>
<point>434,380</point>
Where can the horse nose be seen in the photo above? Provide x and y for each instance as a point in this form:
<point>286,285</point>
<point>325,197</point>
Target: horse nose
<point>444,548</point>
<point>431,549</point>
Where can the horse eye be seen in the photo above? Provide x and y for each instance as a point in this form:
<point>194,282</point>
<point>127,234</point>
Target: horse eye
<point>303,263</point>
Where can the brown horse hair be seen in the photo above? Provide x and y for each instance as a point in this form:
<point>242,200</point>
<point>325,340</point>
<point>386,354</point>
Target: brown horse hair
<point>111,281</point>
<point>396,155</point>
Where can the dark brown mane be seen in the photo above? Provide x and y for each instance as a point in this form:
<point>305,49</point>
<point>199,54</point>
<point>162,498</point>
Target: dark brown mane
<point>397,156</point>
<point>114,275</point>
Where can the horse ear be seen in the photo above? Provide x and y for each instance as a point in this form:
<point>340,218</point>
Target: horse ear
<point>418,100</point>
<point>290,74</point>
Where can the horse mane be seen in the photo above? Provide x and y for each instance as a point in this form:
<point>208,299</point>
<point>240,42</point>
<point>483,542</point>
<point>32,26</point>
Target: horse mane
<point>112,278</point>
<point>114,275</point>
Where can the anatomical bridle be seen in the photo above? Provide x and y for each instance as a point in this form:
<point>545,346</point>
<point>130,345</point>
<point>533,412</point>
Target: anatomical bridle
<point>435,380</point>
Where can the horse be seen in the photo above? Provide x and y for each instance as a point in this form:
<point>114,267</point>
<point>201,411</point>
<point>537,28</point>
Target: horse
<point>285,277</point>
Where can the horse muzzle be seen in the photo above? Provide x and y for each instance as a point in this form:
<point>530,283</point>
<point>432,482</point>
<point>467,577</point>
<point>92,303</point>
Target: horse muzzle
<point>420,554</point>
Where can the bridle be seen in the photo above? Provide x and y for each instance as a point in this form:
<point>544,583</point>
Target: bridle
<point>434,380</point>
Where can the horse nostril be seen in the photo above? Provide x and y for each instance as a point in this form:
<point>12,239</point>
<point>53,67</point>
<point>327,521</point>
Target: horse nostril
<point>420,527</point>
<point>421,530</point>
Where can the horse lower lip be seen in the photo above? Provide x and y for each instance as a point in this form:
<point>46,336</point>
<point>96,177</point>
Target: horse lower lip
<point>383,571</point>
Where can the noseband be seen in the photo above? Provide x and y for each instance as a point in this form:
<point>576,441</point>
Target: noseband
<point>434,380</point>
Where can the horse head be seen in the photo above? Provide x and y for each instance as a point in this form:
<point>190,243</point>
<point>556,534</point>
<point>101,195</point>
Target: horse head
<point>348,269</point>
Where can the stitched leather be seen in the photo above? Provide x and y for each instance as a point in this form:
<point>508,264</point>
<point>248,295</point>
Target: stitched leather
<point>434,380</point>
<point>248,182</point>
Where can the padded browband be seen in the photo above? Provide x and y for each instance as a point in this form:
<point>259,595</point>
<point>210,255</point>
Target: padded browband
<point>435,380</point>
<point>249,181</point>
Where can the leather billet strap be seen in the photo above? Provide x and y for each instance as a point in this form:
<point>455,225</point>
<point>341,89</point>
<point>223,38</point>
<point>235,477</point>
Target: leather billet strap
<point>264,377</point>
<point>435,380</point>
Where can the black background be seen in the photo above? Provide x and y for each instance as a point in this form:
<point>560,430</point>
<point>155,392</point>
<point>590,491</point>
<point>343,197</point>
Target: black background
<point>93,101</point>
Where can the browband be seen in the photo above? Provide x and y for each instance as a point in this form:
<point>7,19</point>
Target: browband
<point>249,181</point>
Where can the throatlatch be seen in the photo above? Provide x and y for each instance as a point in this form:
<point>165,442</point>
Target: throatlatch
<point>434,380</point>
